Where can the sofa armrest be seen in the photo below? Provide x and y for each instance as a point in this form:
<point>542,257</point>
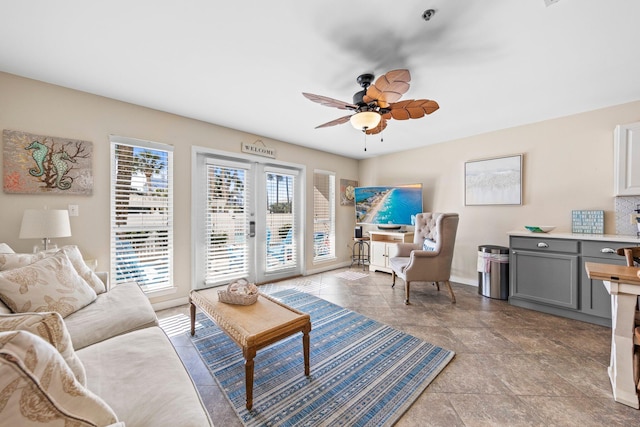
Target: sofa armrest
<point>405,249</point>
<point>104,276</point>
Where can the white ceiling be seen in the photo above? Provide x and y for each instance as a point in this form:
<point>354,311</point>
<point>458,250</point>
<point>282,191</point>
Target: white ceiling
<point>490,64</point>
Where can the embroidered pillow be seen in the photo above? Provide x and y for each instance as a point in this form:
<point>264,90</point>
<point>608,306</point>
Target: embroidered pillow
<point>11,261</point>
<point>51,284</point>
<point>83,269</point>
<point>50,327</point>
<point>6,249</point>
<point>38,388</point>
<point>429,245</point>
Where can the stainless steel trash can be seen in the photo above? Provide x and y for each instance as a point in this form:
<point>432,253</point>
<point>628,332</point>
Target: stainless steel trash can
<point>493,271</point>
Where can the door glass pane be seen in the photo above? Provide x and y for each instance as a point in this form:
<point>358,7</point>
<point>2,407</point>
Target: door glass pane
<point>227,220</point>
<point>281,248</point>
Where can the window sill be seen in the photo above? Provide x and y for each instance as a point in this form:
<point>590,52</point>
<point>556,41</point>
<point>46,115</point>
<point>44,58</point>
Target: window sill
<point>152,293</point>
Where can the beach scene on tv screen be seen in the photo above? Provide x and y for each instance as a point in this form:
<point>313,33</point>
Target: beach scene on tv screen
<point>388,205</point>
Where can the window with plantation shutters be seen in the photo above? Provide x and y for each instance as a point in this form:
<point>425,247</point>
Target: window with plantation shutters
<point>142,213</point>
<point>324,214</point>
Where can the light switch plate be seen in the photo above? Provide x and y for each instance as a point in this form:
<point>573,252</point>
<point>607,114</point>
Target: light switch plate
<point>74,210</point>
<point>550,2</point>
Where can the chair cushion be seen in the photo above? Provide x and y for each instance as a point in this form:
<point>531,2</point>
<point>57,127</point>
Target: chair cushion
<point>50,284</point>
<point>39,389</point>
<point>50,327</point>
<point>398,264</point>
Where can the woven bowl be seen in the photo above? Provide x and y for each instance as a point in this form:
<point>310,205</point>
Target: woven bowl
<point>239,292</point>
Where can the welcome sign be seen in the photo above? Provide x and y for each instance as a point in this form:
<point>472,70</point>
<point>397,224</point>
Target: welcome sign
<point>259,148</point>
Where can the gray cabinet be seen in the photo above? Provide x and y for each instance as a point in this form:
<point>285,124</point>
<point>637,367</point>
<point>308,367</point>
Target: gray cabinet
<point>594,298</point>
<point>545,271</point>
<point>547,274</point>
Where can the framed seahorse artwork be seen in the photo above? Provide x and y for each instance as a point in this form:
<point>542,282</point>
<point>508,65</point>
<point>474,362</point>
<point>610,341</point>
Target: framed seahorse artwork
<point>46,164</point>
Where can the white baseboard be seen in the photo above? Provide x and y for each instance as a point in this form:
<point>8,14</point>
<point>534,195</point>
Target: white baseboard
<point>464,281</point>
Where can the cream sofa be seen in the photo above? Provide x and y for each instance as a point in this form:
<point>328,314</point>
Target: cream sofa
<point>129,362</point>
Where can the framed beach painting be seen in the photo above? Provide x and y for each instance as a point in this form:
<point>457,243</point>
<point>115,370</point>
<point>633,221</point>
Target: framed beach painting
<point>496,181</point>
<point>38,164</point>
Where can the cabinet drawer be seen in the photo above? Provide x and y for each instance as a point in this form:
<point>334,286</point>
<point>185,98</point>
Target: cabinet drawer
<point>542,244</point>
<point>606,250</point>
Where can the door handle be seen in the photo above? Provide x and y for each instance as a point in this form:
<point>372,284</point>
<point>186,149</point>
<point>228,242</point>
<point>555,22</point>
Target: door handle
<point>607,251</point>
<point>543,245</point>
<point>252,229</point>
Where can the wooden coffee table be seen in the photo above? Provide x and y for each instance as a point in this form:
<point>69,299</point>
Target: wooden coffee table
<point>253,326</point>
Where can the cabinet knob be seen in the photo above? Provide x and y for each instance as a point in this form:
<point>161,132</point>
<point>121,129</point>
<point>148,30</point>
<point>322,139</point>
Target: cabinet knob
<point>608,251</point>
<point>543,245</point>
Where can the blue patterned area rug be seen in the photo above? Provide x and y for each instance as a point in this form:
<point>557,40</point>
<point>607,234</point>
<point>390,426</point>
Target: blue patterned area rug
<point>363,373</point>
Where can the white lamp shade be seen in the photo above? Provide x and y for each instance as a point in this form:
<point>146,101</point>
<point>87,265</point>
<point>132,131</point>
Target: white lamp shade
<point>365,120</point>
<point>45,223</point>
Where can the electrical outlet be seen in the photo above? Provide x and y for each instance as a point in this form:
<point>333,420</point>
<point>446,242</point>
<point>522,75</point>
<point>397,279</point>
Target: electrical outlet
<point>634,218</point>
<point>74,210</point>
<point>550,2</point>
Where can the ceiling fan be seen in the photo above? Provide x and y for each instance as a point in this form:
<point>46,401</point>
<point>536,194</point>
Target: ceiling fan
<point>376,103</point>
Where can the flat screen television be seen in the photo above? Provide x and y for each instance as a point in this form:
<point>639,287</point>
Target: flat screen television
<point>388,206</point>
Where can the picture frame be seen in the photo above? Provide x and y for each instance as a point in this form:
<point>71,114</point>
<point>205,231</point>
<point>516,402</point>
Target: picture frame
<point>493,181</point>
<point>346,192</point>
<point>41,164</point>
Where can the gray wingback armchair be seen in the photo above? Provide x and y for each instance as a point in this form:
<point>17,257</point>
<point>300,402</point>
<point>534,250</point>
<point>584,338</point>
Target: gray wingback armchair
<point>428,258</point>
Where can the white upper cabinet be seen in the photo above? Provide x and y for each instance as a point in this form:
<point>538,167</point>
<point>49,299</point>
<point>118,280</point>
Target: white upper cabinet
<point>626,168</point>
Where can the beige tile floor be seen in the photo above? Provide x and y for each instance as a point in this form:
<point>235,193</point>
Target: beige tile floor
<point>513,366</point>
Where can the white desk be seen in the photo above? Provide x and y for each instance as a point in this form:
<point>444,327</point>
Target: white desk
<point>623,284</point>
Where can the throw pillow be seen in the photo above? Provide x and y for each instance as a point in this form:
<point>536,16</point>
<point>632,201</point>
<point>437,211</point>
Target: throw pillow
<point>6,249</point>
<point>50,327</point>
<point>429,245</point>
<point>83,269</point>
<point>38,388</point>
<point>51,284</point>
<point>11,261</point>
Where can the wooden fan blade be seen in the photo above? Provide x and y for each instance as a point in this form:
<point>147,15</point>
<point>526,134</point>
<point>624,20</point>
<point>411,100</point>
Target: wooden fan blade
<point>329,102</point>
<point>412,108</point>
<point>379,128</point>
<point>388,88</point>
<point>339,121</point>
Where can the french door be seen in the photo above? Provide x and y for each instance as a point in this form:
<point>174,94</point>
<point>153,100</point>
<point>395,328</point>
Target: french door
<point>247,225</point>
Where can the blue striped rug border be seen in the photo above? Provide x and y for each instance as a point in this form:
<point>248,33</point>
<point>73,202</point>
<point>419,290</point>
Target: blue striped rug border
<point>363,373</point>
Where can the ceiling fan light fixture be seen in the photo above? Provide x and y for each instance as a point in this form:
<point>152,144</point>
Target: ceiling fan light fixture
<point>365,120</point>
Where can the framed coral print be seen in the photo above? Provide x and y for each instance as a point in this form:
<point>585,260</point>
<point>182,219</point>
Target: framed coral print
<point>496,181</point>
<point>37,164</point>
<point>347,187</point>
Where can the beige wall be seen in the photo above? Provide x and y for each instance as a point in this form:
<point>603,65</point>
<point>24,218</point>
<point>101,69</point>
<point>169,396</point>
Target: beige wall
<point>568,165</point>
<point>44,109</point>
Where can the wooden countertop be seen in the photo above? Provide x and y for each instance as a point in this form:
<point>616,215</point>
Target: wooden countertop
<point>613,273</point>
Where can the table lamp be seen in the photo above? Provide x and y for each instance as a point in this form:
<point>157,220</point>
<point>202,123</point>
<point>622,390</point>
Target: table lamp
<point>45,224</point>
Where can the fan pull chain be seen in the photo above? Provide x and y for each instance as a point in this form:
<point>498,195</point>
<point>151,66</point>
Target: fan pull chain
<point>365,140</point>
